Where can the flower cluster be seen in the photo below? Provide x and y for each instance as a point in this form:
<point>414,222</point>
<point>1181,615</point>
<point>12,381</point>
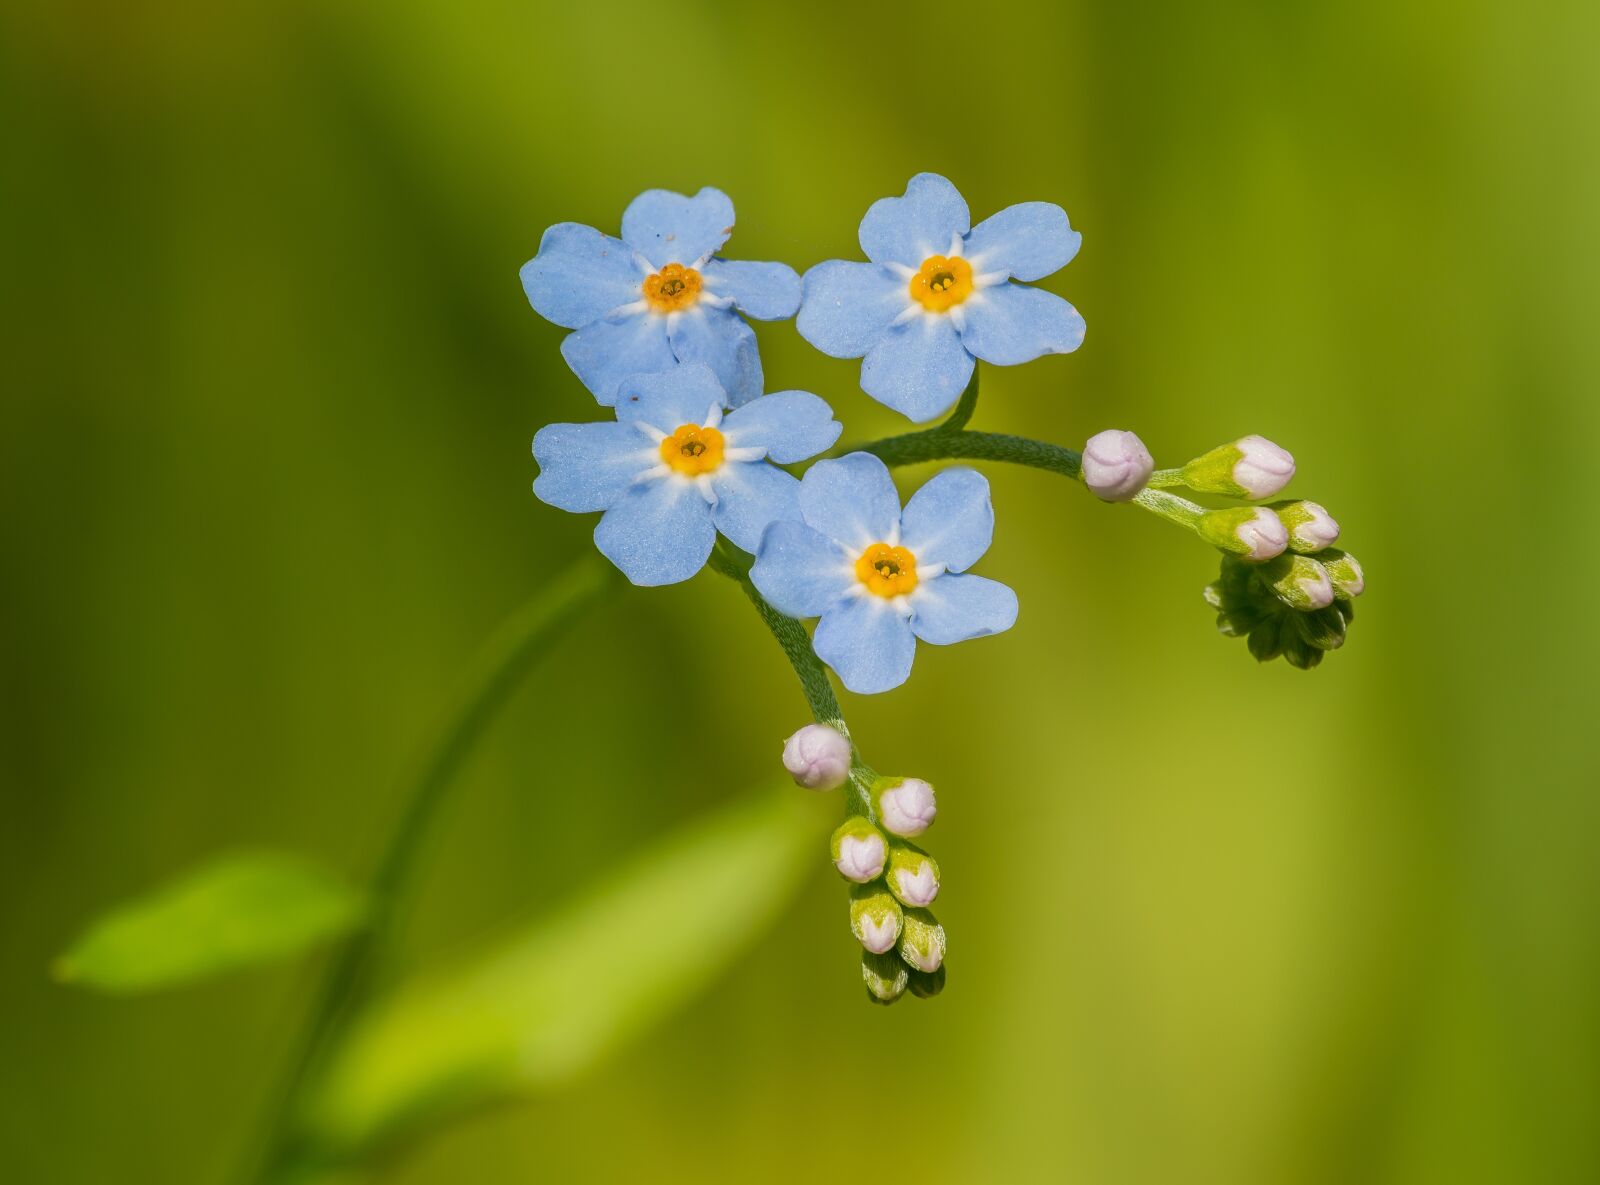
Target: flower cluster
<point>690,470</point>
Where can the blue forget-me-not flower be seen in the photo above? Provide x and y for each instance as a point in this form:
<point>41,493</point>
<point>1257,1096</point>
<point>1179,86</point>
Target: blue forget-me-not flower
<point>658,296</point>
<point>673,470</point>
<point>880,579</point>
<point>939,293</point>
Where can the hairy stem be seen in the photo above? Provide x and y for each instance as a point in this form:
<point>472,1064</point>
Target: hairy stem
<point>511,652</point>
<point>796,645</point>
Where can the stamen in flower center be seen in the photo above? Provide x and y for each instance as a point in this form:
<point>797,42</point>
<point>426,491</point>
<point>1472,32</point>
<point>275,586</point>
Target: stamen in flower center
<point>692,450</point>
<point>887,571</point>
<point>940,283</point>
<point>672,289</point>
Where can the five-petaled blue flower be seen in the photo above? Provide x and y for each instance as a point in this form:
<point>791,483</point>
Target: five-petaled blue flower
<point>880,579</point>
<point>673,470</point>
<point>658,296</point>
<point>938,293</point>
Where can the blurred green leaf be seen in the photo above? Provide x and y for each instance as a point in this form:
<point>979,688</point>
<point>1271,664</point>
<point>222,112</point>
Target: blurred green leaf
<point>549,1001</point>
<point>234,911</point>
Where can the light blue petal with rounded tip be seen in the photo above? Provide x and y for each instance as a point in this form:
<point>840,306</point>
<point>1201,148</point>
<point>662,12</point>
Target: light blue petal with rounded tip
<point>951,609</point>
<point>580,275</point>
<point>765,291</point>
<point>603,353</point>
<point>720,339</point>
<point>849,306</point>
<point>790,425</point>
<point>586,467</point>
<point>1010,323</point>
<point>950,520</point>
<point>922,223</point>
<point>750,497</point>
<point>659,532</point>
<point>1029,240</point>
<point>799,570</point>
<point>868,642</point>
<point>919,368</point>
<point>667,227</point>
<point>851,500</point>
<point>669,398</point>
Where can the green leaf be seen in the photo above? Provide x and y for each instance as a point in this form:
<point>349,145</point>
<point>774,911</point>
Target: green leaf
<point>238,910</point>
<point>535,1010</point>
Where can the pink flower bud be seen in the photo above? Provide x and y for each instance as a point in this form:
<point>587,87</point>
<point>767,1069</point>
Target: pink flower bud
<point>907,807</point>
<point>1263,468</point>
<point>817,757</point>
<point>1116,465</point>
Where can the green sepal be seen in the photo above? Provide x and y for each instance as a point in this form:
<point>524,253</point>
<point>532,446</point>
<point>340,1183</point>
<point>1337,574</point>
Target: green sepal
<point>1212,472</point>
<point>1349,581</point>
<point>926,985</point>
<point>885,977</point>
<point>875,917</point>
<point>1298,581</point>
<point>1220,528</point>
<point>907,860</point>
<point>922,941</point>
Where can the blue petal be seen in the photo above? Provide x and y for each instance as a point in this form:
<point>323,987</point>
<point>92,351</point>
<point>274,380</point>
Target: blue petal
<point>669,398</point>
<point>580,275</point>
<point>919,368</point>
<point>720,339</point>
<point>657,533</point>
<point>950,609</point>
<point>848,306</point>
<point>750,497</point>
<point>852,500</point>
<point>790,425</point>
<point>950,520</point>
<point>585,467</point>
<point>1009,323</point>
<point>800,571</point>
<point>868,641</point>
<point>667,227</point>
<point>1029,240</point>
<point>922,223</point>
<point>765,291</point>
<point>604,353</point>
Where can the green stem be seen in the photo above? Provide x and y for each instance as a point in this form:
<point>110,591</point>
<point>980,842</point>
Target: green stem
<point>796,645</point>
<point>942,444</point>
<point>513,650</point>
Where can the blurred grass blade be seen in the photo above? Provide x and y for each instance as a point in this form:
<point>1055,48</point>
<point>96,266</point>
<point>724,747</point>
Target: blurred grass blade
<point>532,1012</point>
<point>237,910</point>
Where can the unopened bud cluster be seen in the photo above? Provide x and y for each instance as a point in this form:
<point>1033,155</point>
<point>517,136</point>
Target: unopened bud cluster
<point>893,881</point>
<point>1297,606</point>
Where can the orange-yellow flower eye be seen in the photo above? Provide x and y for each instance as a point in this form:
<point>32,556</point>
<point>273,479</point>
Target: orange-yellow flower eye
<point>940,284</point>
<point>887,571</point>
<point>692,450</point>
<point>673,288</point>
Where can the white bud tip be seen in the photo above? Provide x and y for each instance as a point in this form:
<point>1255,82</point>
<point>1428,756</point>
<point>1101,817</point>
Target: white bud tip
<point>1317,589</point>
<point>861,857</point>
<point>1264,534</point>
<point>907,809</point>
<point>1264,469</point>
<point>1318,531</point>
<point>1116,465</point>
<point>817,757</point>
<point>879,936</point>
<point>1354,581</point>
<point>917,888</point>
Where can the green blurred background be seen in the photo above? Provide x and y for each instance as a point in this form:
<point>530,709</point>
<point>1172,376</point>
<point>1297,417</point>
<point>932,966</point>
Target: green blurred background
<point>264,467</point>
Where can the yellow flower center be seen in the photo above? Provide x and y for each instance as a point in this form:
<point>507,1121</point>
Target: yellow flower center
<point>672,289</point>
<point>940,284</point>
<point>887,571</point>
<point>692,450</point>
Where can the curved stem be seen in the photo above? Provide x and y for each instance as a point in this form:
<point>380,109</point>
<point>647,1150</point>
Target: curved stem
<point>796,646</point>
<point>513,650</point>
<point>941,444</point>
